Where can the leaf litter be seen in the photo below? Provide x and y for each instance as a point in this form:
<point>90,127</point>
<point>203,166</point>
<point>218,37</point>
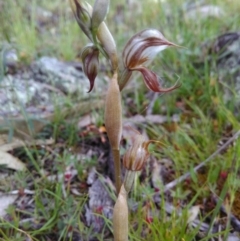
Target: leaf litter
<point>95,186</point>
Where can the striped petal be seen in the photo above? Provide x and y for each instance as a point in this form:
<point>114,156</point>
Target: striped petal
<point>143,47</point>
<point>90,60</point>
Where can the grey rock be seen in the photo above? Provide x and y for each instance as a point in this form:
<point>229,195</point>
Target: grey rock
<point>44,83</point>
<point>201,9</point>
<point>100,205</point>
<point>223,56</point>
<point>11,57</point>
<point>60,74</point>
<point>226,51</point>
<point>233,237</point>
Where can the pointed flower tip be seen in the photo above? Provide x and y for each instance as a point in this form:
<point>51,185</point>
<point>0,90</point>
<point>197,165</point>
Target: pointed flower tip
<point>177,46</point>
<point>151,80</point>
<point>159,143</point>
<point>91,87</point>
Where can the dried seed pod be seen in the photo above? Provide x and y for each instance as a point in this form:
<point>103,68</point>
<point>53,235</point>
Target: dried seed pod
<point>113,113</point>
<point>120,217</point>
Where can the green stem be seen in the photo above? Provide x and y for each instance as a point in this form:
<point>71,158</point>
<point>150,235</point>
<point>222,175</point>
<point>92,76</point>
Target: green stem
<point>117,169</point>
<point>124,77</point>
<point>96,43</point>
<point>129,180</point>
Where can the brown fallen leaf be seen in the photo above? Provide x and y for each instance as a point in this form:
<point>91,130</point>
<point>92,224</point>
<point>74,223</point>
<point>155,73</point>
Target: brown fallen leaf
<point>11,162</point>
<point>5,145</point>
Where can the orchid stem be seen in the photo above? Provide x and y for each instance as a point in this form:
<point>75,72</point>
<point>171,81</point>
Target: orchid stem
<point>123,78</point>
<point>117,169</point>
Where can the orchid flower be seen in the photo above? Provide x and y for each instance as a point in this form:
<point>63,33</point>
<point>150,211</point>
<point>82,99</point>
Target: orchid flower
<point>139,52</point>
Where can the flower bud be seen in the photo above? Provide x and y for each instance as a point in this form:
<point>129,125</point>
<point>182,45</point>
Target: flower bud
<point>90,60</point>
<point>106,39</point>
<point>137,155</point>
<point>100,10</point>
<point>82,15</point>
<point>120,217</point>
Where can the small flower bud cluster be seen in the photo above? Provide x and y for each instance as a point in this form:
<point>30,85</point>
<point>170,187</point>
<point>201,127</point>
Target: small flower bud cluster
<point>135,158</point>
<point>137,155</point>
<point>91,21</point>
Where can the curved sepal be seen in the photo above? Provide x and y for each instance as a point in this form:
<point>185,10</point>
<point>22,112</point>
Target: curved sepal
<point>151,80</point>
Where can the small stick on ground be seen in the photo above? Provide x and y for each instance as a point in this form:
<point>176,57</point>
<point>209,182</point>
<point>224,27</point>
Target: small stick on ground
<point>186,175</point>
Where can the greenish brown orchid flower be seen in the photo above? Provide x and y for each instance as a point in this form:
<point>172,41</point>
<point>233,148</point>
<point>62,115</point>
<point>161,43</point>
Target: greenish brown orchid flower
<point>134,159</point>
<point>139,51</point>
<point>136,156</point>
